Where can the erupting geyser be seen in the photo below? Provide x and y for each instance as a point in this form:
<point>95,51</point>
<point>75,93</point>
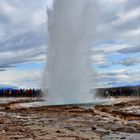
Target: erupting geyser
<point>71,31</point>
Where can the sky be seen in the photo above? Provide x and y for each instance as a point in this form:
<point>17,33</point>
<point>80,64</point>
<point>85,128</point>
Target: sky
<point>23,42</point>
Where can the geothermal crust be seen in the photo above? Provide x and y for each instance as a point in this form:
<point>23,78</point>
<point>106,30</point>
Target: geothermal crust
<point>68,122</point>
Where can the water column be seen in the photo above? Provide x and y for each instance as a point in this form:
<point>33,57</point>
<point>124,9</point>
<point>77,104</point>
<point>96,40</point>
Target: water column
<point>71,31</point>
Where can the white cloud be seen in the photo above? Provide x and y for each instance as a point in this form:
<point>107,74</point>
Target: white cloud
<point>131,34</point>
<point>20,78</point>
<point>130,61</point>
<point>124,16</point>
<point>9,59</point>
<point>8,8</point>
<point>99,59</point>
<point>132,49</point>
<point>119,77</point>
<point>23,38</point>
<point>110,48</point>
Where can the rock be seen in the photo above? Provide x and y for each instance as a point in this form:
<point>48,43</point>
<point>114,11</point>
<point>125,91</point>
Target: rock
<point>6,129</point>
<point>122,138</point>
<point>102,132</point>
<point>58,131</point>
<point>7,108</point>
<point>17,137</point>
<point>70,128</point>
<point>93,128</point>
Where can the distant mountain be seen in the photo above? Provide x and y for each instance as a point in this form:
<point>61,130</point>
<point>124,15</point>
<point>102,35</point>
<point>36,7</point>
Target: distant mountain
<point>2,86</point>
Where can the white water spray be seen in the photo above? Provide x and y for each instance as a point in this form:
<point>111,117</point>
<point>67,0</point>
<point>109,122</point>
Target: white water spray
<point>71,31</point>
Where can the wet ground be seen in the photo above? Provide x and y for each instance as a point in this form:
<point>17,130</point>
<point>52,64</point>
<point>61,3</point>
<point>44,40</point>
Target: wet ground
<point>120,120</point>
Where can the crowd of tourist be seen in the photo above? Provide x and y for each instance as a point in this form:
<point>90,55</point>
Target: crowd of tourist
<point>105,92</point>
<point>20,92</point>
<point>122,91</point>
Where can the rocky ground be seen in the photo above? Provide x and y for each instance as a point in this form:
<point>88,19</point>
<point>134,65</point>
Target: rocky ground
<point>121,120</point>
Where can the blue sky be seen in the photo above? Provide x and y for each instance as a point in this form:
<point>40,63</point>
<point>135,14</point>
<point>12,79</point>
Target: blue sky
<point>23,42</point>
